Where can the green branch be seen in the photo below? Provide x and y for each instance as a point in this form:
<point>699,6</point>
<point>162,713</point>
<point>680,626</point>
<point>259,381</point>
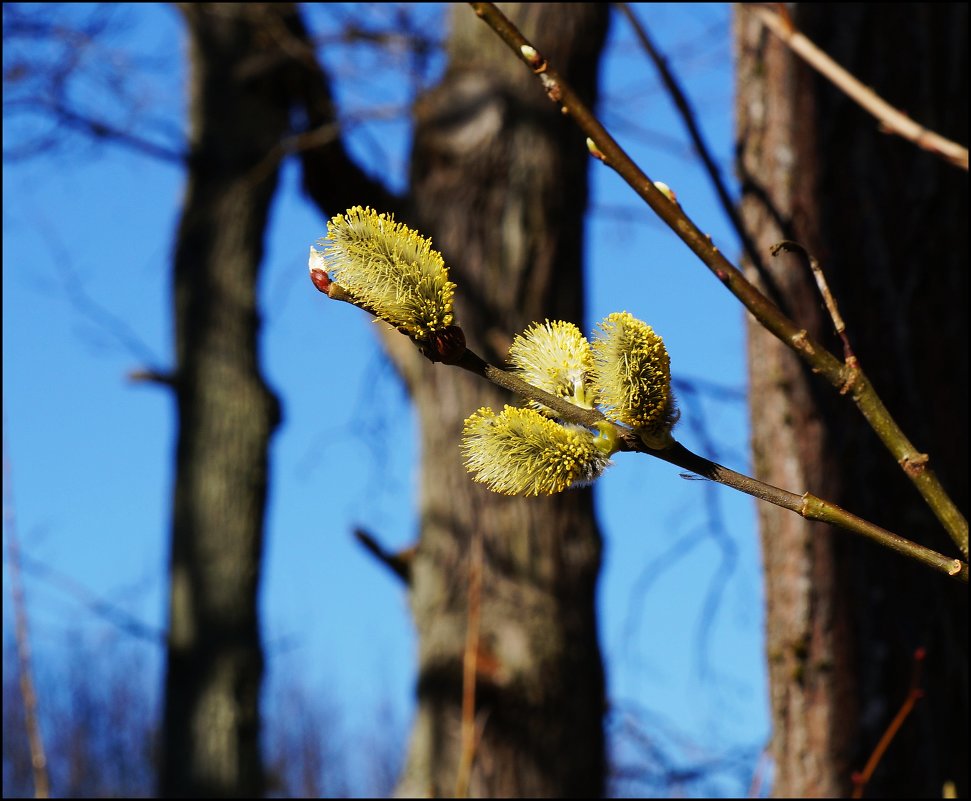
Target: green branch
<point>807,505</point>
<point>849,379</point>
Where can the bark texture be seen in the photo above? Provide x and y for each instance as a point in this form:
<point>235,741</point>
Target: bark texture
<point>888,223</point>
<point>226,411</point>
<point>499,180</point>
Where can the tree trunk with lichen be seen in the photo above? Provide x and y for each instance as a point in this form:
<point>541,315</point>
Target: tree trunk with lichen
<point>499,180</point>
<point>227,413</point>
<point>888,224</point>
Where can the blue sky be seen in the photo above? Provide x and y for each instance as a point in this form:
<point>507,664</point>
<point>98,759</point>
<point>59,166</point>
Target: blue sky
<point>88,236</point>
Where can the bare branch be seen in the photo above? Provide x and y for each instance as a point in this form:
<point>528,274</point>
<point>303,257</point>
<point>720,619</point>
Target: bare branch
<point>807,505</point>
<point>913,696</point>
<point>820,360</point>
<point>331,178</point>
<point>890,118</point>
<point>52,64</point>
<point>680,100</point>
<point>470,669</point>
<point>838,325</point>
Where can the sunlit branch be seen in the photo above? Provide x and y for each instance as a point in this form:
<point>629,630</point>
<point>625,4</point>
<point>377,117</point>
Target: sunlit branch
<point>680,100</point>
<point>807,505</point>
<point>914,463</point>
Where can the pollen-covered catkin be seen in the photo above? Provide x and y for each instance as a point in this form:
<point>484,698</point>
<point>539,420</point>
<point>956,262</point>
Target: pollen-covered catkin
<point>555,357</point>
<point>632,376</point>
<point>521,452</point>
<point>391,270</point>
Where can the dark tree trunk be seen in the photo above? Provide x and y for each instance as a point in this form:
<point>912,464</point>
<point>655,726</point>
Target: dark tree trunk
<point>888,223</point>
<point>226,412</point>
<point>499,180</point>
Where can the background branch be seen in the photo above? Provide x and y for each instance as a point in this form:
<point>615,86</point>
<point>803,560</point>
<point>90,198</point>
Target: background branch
<point>890,118</point>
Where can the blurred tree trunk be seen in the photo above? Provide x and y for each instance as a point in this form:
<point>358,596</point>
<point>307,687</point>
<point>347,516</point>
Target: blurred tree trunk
<point>499,180</point>
<point>888,223</point>
<point>226,412</point>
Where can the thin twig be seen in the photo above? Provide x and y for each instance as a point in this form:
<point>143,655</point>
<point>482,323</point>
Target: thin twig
<point>828,299</point>
<point>96,605</point>
<point>38,760</point>
<point>690,119</point>
<point>469,669</point>
<point>807,505</point>
<point>397,563</point>
<point>913,696</point>
<point>890,118</point>
<point>914,464</point>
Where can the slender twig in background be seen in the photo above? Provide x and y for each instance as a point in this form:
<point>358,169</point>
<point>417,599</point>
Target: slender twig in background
<point>806,505</point>
<point>914,463</point>
<point>690,119</point>
<point>38,760</point>
<point>890,118</point>
<point>397,563</point>
<point>834,313</point>
<point>469,669</point>
<point>913,696</point>
<point>91,602</point>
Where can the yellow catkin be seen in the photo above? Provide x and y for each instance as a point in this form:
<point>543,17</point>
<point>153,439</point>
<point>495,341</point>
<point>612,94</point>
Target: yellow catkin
<point>391,270</point>
<point>555,357</point>
<point>521,452</point>
<point>632,375</point>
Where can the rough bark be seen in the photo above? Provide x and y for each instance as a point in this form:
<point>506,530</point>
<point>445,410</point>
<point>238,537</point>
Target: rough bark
<point>888,223</point>
<point>226,411</point>
<point>499,180</point>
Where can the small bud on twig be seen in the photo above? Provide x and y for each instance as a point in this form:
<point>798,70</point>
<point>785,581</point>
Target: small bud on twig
<point>594,150</point>
<point>667,191</point>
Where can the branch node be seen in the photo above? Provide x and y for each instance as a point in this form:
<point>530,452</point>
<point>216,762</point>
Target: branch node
<point>446,346</point>
<point>551,86</point>
<point>595,151</point>
<point>800,341</point>
<point>914,463</point>
<point>536,62</point>
<point>321,280</point>
<point>852,375</point>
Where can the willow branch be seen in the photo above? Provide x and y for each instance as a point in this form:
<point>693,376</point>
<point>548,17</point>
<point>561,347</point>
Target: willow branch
<point>851,382</point>
<point>889,117</point>
<point>807,505</point>
<point>834,313</point>
<point>681,103</point>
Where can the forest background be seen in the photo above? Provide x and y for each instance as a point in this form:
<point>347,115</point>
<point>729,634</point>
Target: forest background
<point>88,236</point>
